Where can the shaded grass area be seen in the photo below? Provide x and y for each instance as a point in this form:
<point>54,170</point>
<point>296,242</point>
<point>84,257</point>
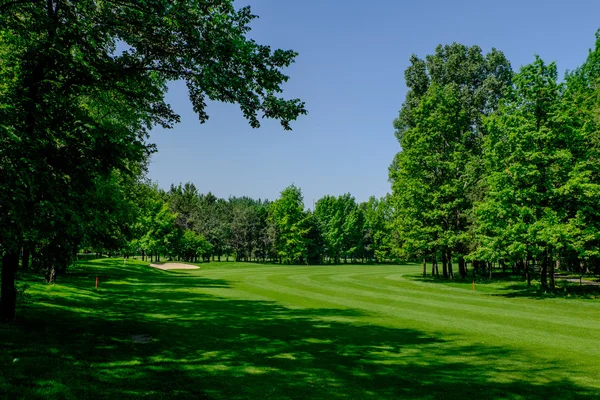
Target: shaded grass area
<point>514,286</point>
<point>258,331</point>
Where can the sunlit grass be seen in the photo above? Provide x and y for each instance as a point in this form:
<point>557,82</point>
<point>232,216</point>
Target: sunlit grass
<point>245,331</point>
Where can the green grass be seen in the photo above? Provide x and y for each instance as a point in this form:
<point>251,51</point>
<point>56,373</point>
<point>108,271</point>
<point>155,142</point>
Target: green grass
<point>251,331</point>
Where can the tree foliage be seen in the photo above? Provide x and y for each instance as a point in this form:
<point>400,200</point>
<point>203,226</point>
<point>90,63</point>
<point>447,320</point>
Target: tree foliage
<point>81,85</point>
<point>498,167</point>
<point>435,177</point>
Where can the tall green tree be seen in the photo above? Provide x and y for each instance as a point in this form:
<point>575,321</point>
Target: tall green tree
<point>580,125</point>
<point>292,222</point>
<point>352,227</point>
<point>73,108</point>
<point>329,216</point>
<point>184,201</point>
<point>377,235</point>
<point>341,222</point>
<point>522,216</point>
<point>542,160</point>
<point>436,176</point>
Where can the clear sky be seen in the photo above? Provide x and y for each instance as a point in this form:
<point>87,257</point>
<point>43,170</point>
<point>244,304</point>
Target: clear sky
<point>350,73</point>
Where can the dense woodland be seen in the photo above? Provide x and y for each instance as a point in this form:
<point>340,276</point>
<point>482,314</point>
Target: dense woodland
<point>497,168</point>
<point>182,224</point>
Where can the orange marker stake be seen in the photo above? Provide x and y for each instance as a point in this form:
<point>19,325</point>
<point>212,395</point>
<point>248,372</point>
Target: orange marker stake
<point>473,285</point>
<point>96,282</point>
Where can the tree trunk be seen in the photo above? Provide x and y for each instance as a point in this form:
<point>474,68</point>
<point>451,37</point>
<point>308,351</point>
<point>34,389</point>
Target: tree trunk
<point>520,266</point>
<point>491,269</point>
<point>433,263</point>
<point>444,264</point>
<point>461,267</point>
<point>8,295</point>
<point>51,274</point>
<point>551,274</point>
<point>424,268</point>
<point>450,270</point>
<point>544,277</point>
<point>143,255</point>
<point>25,262</point>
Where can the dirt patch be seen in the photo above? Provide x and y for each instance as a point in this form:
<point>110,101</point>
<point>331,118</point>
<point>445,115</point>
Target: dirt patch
<point>168,266</point>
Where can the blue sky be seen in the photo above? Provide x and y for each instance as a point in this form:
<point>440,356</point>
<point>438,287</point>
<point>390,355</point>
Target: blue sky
<point>350,74</point>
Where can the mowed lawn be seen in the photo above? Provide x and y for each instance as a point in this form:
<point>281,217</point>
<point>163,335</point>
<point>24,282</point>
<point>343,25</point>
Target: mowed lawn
<point>252,331</point>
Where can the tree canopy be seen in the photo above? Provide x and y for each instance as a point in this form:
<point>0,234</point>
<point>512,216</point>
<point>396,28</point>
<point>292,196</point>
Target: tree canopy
<point>82,83</point>
<point>435,177</point>
<point>498,167</point>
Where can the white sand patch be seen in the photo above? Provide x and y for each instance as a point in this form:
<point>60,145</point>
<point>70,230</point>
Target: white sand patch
<point>168,266</point>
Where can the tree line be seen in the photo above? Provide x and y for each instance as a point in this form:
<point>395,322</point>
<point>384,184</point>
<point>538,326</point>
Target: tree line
<point>183,224</point>
<point>498,168</point>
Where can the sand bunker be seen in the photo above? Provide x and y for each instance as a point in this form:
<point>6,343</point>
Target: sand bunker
<point>168,266</point>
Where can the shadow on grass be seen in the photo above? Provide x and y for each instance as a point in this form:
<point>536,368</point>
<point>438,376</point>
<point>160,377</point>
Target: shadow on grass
<point>481,279</point>
<point>198,345</point>
<point>514,286</point>
<point>563,290</point>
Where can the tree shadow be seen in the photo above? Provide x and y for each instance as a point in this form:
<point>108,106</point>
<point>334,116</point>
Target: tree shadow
<point>563,290</point>
<point>457,280</point>
<point>512,286</point>
<point>82,345</point>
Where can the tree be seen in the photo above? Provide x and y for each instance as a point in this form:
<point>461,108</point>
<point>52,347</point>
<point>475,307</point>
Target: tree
<point>73,109</point>
<point>156,230</point>
<point>435,178</point>
<point>377,237</point>
<point>193,245</point>
<point>521,217</point>
<point>330,219</point>
<point>542,167</point>
<point>184,201</point>
<point>352,226</point>
<point>292,223</point>
<point>244,224</point>
<point>580,194</point>
<point>221,233</point>
<point>315,243</point>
